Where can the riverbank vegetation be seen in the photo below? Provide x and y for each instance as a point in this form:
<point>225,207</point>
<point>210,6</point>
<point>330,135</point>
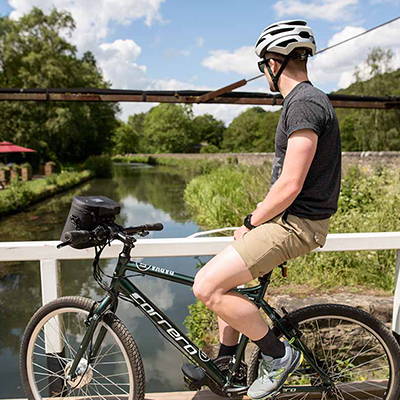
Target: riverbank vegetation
<point>188,168</point>
<point>21,194</point>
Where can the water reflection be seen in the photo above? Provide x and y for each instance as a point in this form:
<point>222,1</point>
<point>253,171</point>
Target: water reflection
<point>146,195</point>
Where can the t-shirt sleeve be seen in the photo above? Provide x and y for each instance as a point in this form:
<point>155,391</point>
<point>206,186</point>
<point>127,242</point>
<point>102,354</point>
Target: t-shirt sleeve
<point>305,114</point>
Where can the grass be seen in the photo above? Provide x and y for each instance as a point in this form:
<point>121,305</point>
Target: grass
<point>22,194</point>
<point>188,168</point>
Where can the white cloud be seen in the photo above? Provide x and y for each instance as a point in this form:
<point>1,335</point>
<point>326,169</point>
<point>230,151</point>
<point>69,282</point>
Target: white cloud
<point>335,68</point>
<point>242,60</point>
<point>93,17</point>
<point>330,10</point>
<point>118,63</point>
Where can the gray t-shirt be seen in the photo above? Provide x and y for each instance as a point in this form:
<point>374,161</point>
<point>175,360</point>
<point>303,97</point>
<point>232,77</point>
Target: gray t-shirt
<point>307,107</point>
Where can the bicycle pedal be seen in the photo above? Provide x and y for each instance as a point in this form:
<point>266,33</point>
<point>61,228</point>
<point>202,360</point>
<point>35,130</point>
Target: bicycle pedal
<point>193,376</point>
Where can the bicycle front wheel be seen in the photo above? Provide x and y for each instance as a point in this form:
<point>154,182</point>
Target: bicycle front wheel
<point>356,351</point>
<point>51,340</point>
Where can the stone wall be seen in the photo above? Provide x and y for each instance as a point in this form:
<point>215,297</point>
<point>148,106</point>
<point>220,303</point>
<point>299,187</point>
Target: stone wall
<point>365,157</point>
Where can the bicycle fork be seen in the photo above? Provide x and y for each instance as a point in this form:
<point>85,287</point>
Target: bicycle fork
<point>91,322</point>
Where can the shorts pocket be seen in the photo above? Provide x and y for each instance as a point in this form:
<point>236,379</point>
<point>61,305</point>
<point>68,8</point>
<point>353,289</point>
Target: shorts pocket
<point>320,239</point>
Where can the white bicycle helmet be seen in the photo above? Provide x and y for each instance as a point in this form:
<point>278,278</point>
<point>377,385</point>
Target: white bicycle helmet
<point>285,36</point>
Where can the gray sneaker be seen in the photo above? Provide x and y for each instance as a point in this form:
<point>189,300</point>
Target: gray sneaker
<point>273,372</point>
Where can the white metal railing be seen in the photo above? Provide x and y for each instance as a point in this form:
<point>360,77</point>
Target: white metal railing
<point>49,256</point>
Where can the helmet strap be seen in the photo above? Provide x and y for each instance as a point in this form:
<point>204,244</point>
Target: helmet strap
<point>275,78</point>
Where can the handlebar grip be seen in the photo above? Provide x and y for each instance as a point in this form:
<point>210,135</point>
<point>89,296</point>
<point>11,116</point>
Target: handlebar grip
<point>77,237</point>
<point>154,227</point>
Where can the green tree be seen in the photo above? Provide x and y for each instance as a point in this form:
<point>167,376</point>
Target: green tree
<point>374,129</point>
<point>128,135</point>
<point>35,54</point>
<point>251,131</point>
<point>209,129</point>
<point>168,128</point>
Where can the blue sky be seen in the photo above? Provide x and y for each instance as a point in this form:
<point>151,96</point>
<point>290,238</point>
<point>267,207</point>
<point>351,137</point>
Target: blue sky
<point>204,44</point>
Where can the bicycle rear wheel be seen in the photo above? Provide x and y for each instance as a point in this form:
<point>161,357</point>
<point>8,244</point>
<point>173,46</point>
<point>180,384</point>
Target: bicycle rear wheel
<point>50,342</point>
<point>357,351</point>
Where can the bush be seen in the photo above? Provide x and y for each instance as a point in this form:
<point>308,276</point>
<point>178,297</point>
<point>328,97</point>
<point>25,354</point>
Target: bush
<point>101,166</point>
<point>210,148</point>
<point>20,194</point>
<point>222,197</point>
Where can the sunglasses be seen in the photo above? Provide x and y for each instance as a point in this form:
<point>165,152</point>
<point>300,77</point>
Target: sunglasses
<point>262,64</point>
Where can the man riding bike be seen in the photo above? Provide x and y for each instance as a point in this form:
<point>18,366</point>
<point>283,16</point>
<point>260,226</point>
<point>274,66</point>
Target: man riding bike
<point>293,218</point>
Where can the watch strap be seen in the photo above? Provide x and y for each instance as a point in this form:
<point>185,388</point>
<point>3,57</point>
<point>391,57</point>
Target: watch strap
<point>247,222</point>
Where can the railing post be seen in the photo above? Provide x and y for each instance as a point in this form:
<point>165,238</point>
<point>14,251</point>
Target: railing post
<point>50,284</point>
<point>396,303</point>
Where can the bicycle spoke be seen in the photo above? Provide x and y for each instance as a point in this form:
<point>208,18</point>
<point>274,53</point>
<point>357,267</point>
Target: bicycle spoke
<point>362,391</point>
<point>109,380</point>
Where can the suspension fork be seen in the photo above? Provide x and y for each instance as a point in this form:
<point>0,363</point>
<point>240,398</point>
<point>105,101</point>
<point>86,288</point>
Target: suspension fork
<point>92,322</point>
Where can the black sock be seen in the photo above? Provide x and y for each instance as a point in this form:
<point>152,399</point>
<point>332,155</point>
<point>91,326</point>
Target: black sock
<point>270,345</point>
<point>225,350</point>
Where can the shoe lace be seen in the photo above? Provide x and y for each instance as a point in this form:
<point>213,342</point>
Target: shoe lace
<point>268,370</point>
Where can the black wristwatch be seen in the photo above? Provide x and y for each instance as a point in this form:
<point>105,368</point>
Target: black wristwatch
<point>247,222</point>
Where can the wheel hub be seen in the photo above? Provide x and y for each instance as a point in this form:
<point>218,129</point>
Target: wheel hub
<point>84,374</point>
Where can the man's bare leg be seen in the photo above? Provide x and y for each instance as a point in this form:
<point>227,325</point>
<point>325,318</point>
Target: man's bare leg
<point>212,283</point>
<point>227,335</point>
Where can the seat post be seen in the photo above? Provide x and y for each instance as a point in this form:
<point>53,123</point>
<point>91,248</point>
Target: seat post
<point>264,282</point>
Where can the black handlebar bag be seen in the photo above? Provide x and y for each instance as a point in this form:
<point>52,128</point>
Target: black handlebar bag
<point>88,212</point>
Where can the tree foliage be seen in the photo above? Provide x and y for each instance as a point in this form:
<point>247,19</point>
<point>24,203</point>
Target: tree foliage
<point>208,129</point>
<point>128,137</point>
<point>374,129</point>
<point>168,128</point>
<point>34,53</point>
<point>251,131</point>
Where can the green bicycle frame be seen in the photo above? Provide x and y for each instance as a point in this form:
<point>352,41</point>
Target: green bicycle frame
<point>121,284</point>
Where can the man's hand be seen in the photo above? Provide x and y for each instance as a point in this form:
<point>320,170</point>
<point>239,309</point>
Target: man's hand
<point>239,233</point>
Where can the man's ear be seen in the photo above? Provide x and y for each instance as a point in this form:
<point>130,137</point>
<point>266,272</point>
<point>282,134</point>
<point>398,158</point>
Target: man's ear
<point>274,66</point>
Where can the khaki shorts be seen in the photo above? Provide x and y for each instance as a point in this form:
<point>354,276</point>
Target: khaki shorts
<point>280,239</point>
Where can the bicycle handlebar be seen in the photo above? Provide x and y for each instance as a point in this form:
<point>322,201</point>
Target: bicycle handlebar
<point>147,227</point>
<point>101,233</point>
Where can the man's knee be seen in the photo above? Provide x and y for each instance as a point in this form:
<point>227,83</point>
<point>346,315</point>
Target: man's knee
<point>206,291</point>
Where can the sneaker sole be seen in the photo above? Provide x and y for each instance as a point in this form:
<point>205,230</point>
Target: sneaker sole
<point>277,391</point>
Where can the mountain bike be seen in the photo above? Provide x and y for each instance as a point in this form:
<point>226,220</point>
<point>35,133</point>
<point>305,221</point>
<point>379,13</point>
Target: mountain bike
<point>76,347</point>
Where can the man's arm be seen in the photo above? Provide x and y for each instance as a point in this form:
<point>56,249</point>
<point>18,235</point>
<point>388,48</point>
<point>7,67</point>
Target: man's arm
<point>300,152</point>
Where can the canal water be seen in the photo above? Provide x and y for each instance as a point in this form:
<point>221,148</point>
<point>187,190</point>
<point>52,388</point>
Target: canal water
<point>147,195</point>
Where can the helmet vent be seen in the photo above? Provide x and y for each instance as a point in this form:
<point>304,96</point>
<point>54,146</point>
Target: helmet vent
<point>260,41</point>
<point>298,22</point>
<point>304,35</point>
<point>280,31</point>
<point>286,42</point>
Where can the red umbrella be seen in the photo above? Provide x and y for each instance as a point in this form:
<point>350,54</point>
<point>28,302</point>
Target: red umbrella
<point>8,147</point>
